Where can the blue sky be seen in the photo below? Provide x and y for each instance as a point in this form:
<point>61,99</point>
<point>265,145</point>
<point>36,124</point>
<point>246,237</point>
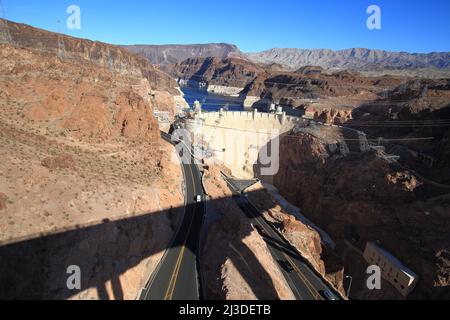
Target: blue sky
<point>413,26</point>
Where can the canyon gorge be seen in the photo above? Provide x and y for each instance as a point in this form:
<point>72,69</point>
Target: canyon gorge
<point>88,180</point>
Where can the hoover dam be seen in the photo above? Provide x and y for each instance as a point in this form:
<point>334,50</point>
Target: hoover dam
<point>202,172</point>
<point>246,142</point>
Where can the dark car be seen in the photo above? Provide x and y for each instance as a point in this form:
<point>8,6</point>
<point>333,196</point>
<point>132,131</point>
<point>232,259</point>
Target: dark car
<point>328,295</point>
<point>286,266</point>
<point>259,229</point>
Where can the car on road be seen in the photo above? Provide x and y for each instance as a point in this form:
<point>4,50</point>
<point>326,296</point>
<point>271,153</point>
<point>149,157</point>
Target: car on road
<point>198,198</point>
<point>286,266</point>
<point>260,229</point>
<point>328,295</point>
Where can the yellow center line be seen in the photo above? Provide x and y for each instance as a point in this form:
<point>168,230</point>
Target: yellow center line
<point>176,271</point>
<point>169,292</point>
<point>299,272</point>
<point>304,278</point>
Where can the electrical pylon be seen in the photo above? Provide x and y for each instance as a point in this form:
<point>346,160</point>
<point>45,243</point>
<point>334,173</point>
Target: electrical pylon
<point>5,35</point>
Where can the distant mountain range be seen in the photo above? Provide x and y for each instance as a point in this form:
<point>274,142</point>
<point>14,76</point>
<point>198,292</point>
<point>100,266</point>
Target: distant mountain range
<point>292,59</point>
<point>355,59</point>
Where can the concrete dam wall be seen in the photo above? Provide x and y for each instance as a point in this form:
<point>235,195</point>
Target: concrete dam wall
<point>246,142</point>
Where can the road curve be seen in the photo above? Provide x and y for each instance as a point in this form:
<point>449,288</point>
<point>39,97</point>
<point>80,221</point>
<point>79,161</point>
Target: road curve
<point>304,282</point>
<point>176,277</point>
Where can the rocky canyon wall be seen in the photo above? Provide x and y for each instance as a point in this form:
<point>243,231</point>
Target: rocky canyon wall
<point>155,85</point>
<point>85,178</point>
<point>362,198</point>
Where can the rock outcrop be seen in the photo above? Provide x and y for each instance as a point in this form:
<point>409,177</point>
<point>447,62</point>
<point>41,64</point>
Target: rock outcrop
<point>330,116</point>
<point>304,238</point>
<point>237,263</point>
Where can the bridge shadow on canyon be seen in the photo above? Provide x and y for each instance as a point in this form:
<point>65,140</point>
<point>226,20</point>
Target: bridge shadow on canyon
<point>36,269</point>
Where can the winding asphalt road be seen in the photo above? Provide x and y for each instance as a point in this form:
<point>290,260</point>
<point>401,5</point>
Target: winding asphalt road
<point>177,276</point>
<point>304,282</point>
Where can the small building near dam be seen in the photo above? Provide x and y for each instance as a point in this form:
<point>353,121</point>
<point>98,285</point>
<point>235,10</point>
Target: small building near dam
<point>392,269</point>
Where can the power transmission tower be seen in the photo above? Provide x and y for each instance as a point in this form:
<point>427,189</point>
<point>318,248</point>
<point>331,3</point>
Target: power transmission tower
<point>425,91</point>
<point>61,46</point>
<point>111,64</point>
<point>363,142</point>
<point>112,96</point>
<point>343,148</point>
<point>5,36</point>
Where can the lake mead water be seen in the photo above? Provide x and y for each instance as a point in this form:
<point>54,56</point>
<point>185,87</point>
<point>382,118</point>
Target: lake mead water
<point>210,101</point>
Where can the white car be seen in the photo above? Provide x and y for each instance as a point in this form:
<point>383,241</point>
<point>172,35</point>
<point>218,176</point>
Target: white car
<point>198,198</point>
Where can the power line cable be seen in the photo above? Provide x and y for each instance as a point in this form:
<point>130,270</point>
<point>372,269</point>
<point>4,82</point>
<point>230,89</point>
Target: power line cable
<point>290,135</point>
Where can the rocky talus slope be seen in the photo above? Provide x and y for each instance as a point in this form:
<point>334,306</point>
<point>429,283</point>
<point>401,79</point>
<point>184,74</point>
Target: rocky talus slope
<point>85,178</point>
<point>362,198</point>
